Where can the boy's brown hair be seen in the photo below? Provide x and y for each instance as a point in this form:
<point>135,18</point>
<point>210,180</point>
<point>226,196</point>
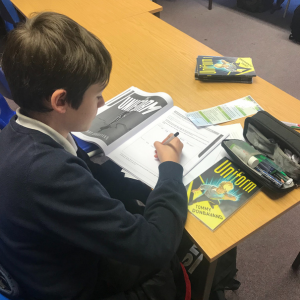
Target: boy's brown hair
<point>49,52</point>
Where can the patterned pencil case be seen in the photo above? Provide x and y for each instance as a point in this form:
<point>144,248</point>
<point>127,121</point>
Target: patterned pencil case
<point>270,152</point>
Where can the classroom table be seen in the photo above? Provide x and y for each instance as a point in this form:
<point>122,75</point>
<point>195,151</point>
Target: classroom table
<point>89,13</point>
<point>154,56</point>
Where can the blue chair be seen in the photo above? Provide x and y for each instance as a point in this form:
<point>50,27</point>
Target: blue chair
<point>4,298</point>
<point>4,88</point>
<point>5,112</point>
<point>9,14</point>
<point>87,147</point>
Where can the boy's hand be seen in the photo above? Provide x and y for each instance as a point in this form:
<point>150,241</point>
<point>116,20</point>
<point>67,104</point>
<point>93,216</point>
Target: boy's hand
<point>170,151</point>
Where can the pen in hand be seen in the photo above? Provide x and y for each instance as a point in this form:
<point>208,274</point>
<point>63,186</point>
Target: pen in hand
<point>169,149</point>
<point>170,138</point>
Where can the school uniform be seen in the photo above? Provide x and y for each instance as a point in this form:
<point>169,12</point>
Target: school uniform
<point>61,225</point>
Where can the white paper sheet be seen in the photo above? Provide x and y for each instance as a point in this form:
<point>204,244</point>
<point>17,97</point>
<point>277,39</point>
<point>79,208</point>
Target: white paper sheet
<point>137,154</point>
<point>235,132</point>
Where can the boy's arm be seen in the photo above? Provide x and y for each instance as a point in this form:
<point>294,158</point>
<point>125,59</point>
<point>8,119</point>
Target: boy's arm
<point>119,187</point>
<point>74,206</point>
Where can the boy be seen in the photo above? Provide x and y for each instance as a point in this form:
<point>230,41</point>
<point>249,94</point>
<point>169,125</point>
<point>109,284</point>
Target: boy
<point>67,225</point>
<point>213,194</point>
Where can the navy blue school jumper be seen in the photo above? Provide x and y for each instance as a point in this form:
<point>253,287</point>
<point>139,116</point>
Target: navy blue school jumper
<point>60,222</point>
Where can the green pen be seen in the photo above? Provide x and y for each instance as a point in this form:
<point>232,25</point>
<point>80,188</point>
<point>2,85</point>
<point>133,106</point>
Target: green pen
<point>292,125</point>
<point>285,178</point>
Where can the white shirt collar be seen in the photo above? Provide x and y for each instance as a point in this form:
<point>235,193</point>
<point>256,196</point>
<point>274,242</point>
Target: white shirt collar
<point>68,143</point>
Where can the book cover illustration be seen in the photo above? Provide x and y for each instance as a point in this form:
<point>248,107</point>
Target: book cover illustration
<point>123,114</point>
<point>220,191</point>
<point>214,66</point>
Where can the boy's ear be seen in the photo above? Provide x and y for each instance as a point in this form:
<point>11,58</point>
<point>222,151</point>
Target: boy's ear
<point>58,101</point>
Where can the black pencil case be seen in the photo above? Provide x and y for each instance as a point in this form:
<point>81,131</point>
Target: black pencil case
<point>270,137</point>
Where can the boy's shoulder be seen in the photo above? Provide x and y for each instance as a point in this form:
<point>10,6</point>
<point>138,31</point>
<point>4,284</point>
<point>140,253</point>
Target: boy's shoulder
<point>23,148</point>
<point>20,139</point>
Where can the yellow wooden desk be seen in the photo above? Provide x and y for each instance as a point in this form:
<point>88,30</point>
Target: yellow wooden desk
<point>89,13</point>
<point>154,56</point>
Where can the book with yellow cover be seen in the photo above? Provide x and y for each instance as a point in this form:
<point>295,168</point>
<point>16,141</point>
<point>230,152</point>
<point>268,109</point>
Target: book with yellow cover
<point>218,192</point>
<point>218,68</point>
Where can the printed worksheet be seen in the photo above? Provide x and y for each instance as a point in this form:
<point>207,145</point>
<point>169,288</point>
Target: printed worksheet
<point>137,154</point>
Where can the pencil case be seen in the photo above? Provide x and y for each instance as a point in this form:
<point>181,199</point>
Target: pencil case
<point>269,137</point>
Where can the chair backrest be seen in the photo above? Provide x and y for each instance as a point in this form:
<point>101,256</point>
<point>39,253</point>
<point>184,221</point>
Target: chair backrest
<point>87,147</point>
<point>4,88</point>
<point>5,112</point>
<point>9,14</point>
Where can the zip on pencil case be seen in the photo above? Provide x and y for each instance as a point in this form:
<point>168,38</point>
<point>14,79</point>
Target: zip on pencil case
<point>270,137</point>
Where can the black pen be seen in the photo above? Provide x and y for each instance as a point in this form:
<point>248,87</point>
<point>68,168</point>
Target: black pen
<point>170,138</point>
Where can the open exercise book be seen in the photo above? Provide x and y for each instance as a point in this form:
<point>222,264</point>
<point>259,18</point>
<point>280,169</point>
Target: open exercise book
<point>127,126</point>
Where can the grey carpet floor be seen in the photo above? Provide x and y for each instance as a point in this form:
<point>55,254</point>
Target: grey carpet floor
<point>265,258</point>
<point>234,32</point>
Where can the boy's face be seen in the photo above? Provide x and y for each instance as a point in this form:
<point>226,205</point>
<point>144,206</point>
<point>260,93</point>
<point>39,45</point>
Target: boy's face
<point>81,119</point>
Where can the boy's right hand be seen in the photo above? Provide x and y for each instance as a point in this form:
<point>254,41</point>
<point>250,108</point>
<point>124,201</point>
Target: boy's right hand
<point>170,151</point>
